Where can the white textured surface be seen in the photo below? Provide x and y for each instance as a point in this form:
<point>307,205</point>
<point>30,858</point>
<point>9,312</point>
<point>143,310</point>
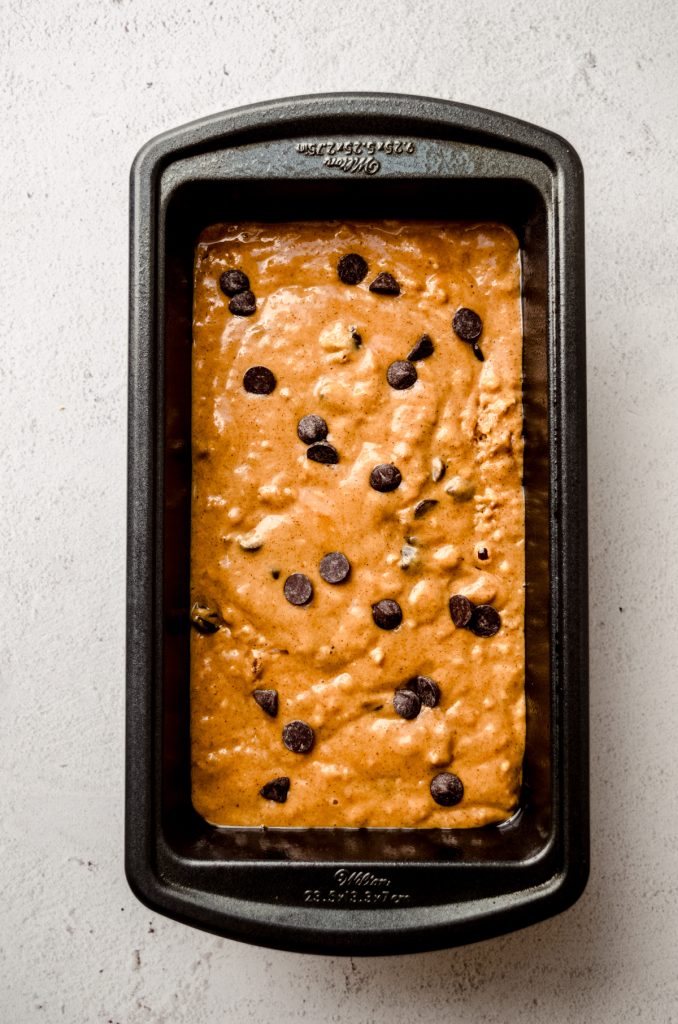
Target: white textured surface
<point>84,84</point>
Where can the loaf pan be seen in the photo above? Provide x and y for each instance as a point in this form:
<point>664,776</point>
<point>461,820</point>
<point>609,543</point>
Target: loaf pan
<point>364,891</point>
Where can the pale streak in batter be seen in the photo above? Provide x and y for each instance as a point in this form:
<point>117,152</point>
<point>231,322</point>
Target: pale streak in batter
<point>332,666</point>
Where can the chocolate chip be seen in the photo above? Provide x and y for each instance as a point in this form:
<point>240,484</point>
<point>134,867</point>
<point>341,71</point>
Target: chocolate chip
<point>335,567</point>
<point>243,304</point>
<point>205,618</point>
<point>406,703</point>
<point>483,554</point>
<point>385,477</point>
<point>423,348</point>
<point>276,789</point>
<point>298,589</point>
<point>461,610</point>
<point>385,284</point>
<point>467,324</point>
<point>426,690</point>
<point>312,428</point>
<point>351,268</point>
<point>486,620</point>
<point>447,789</point>
<point>298,737</point>
<point>323,452</point>
<point>401,375</point>
<point>422,507</point>
<point>275,573</point>
<point>357,339</point>
<point>387,614</point>
<point>259,380</point>
<point>477,353</point>
<point>233,281</point>
<point>267,701</point>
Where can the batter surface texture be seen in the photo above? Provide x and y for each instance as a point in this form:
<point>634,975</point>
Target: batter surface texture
<point>367,409</point>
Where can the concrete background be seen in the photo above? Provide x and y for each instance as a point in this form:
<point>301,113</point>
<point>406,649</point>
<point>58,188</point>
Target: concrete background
<point>84,84</point>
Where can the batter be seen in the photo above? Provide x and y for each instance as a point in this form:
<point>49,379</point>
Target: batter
<point>357,556</point>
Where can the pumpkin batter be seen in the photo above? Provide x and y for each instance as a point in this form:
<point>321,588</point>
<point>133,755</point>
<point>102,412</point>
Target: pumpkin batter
<point>310,711</point>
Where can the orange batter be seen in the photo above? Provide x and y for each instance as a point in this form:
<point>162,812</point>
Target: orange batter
<point>263,511</point>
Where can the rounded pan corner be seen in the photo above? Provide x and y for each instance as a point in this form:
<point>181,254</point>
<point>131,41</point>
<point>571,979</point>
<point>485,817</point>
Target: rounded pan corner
<point>561,155</point>
<point>567,159</point>
<point>572,883</point>
<point>161,898</point>
<point>146,160</point>
<point>562,891</point>
<point>165,145</point>
<point>146,885</point>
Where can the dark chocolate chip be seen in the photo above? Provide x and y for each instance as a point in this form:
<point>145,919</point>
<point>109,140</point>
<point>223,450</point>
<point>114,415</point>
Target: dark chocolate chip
<point>447,789</point>
<point>461,610</point>
<point>483,554</point>
<point>422,507</point>
<point>276,790</point>
<point>205,618</point>
<point>477,353</point>
<point>385,284</point>
<point>267,701</point>
<point>467,324</point>
<point>423,348</point>
<point>243,304</point>
<point>387,614</point>
<point>275,573</point>
<point>298,589</point>
<point>234,281</point>
<point>335,567</point>
<point>312,428</point>
<point>323,452</point>
<point>426,690</point>
<point>259,380</point>
<point>385,477</point>
<point>486,620</point>
<point>351,268</point>
<point>406,703</point>
<point>401,375</point>
<point>298,737</point>
<point>357,339</point>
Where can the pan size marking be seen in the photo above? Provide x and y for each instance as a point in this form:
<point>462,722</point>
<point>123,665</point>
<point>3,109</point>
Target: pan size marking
<point>357,889</point>
<point>356,156</point>
<point>356,897</point>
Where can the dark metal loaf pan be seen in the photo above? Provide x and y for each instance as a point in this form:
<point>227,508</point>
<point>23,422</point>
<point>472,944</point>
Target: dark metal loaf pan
<point>369,890</point>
